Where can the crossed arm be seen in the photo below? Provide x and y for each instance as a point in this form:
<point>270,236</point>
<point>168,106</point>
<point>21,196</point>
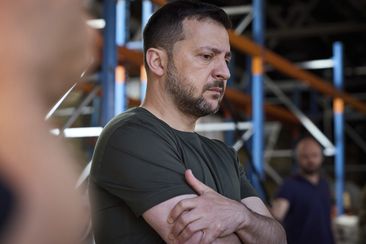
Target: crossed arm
<point>209,217</point>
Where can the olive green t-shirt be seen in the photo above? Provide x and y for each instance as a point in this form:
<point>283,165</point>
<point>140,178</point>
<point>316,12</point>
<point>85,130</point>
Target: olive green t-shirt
<point>139,162</point>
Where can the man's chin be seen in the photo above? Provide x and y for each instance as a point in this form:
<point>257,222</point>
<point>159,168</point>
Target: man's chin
<point>214,109</point>
<point>214,104</point>
<point>311,171</point>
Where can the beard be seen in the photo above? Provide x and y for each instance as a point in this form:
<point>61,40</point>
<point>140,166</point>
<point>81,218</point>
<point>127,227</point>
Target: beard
<point>183,95</point>
<point>309,170</point>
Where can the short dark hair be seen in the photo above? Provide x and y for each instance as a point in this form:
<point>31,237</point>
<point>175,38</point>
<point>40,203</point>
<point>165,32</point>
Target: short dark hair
<point>165,27</point>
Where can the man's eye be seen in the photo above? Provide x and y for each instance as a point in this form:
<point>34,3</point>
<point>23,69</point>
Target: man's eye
<point>206,57</point>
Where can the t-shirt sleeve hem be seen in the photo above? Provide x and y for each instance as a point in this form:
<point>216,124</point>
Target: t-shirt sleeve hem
<point>249,194</point>
<point>160,197</point>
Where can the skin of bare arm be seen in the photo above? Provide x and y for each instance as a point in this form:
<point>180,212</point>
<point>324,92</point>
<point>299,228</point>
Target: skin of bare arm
<point>157,217</point>
<point>279,209</point>
<point>218,216</point>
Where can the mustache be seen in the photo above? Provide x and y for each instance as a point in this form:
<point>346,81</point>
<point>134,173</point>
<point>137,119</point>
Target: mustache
<point>216,83</point>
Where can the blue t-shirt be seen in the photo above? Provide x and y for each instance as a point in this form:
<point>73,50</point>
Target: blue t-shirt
<point>308,219</point>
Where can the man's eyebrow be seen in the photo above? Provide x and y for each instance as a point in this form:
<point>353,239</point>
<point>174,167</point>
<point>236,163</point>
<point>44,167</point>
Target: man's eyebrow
<point>217,51</point>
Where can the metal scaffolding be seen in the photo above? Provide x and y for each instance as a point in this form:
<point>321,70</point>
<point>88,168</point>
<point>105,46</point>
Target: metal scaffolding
<point>114,77</point>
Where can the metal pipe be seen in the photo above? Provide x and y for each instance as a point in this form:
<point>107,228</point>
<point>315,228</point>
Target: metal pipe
<point>79,132</point>
<point>257,89</point>
<point>122,33</point>
<point>78,111</point>
<point>120,90</point>
<point>226,126</point>
<point>338,110</point>
<point>122,16</point>
<point>239,143</point>
<point>69,111</point>
<point>244,23</point>
<point>305,121</point>
<point>109,60</point>
<point>147,10</point>
<point>283,65</point>
<point>58,103</point>
<point>237,10</point>
<point>247,46</point>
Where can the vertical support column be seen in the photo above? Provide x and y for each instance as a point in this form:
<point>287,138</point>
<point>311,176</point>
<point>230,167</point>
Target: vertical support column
<point>122,24</point>
<point>257,89</point>
<point>96,110</point>
<point>109,60</point>
<point>120,92</point>
<point>143,82</point>
<point>338,109</point>
<point>147,10</point>
<point>229,136</point>
<point>122,19</point>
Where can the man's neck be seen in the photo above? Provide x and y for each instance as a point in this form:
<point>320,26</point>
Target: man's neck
<point>312,178</point>
<point>164,108</point>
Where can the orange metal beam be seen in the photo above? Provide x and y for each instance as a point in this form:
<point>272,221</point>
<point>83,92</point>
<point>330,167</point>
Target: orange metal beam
<point>135,57</point>
<point>159,2</point>
<point>236,97</point>
<point>244,101</point>
<point>246,45</point>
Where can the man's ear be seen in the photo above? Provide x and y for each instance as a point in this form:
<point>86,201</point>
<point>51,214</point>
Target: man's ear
<point>156,59</point>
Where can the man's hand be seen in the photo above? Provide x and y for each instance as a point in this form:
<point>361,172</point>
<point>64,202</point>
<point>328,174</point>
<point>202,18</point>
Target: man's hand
<point>211,213</point>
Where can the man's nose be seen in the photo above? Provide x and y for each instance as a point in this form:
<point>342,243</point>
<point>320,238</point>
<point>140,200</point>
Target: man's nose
<point>222,71</point>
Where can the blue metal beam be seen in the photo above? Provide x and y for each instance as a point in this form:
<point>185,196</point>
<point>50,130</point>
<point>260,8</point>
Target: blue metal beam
<point>120,90</point>
<point>109,60</point>
<point>338,109</point>
<point>257,89</point>
<point>122,33</point>
<point>147,10</point>
<point>122,22</point>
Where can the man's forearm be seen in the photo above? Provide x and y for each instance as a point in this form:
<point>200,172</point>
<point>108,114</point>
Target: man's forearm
<point>261,229</point>
<point>230,239</point>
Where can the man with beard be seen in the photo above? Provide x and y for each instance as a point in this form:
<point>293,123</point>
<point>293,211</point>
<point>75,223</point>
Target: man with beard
<point>146,161</point>
<point>303,203</point>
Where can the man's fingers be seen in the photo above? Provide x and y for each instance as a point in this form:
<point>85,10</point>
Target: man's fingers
<point>208,237</point>
<point>183,225</point>
<point>180,207</point>
<point>189,231</point>
<point>197,185</point>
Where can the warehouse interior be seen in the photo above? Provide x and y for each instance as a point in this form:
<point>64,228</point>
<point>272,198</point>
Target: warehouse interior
<point>311,81</point>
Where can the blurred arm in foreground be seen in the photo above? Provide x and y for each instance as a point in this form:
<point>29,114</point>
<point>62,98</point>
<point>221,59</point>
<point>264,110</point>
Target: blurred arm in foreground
<point>44,47</point>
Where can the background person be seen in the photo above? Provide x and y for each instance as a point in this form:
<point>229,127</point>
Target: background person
<point>303,202</point>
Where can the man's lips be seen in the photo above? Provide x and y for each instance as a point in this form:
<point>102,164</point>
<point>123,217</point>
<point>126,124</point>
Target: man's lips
<point>216,89</point>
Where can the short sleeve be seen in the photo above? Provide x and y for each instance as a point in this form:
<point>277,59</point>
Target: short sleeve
<point>285,191</point>
<point>142,167</point>
<point>246,189</point>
